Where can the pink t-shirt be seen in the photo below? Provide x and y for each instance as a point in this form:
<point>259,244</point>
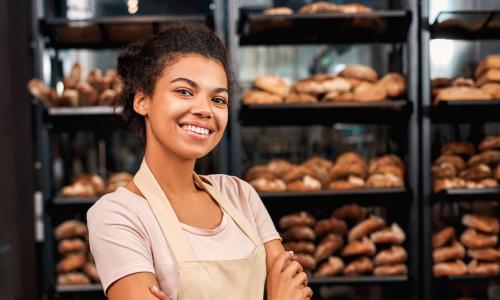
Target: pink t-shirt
<point>125,237</point>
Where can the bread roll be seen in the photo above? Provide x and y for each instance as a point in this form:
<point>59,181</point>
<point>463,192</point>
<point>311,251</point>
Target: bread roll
<point>455,160</point>
<point>491,75</point>
<point>333,266</point>
<point>349,212</point>
<point>367,92</point>
<point>297,219</point>
<point>458,148</point>
<point>260,97</point>
<point>70,229</point>
<point>344,170</point>
<point>443,236</point>
<point>361,72</point>
<point>455,268</point>
<point>483,268</point>
<point>486,157</point>
<point>384,181</point>
<point>299,233</point>
<point>328,246</point>
<point>455,251</point>
<point>73,278</point>
<point>359,247</point>
<point>366,227</point>
<point>295,97</point>
<point>391,270</point>
<point>391,256</point>
<point>268,185</point>
<point>484,254</point>
<point>91,271</point>
<point>278,11</point>
<point>394,84</point>
<point>352,182</point>
<point>331,225</point>
<point>390,235</point>
<point>477,172</point>
<point>489,62</point>
<point>460,93</point>
<point>305,260</point>
<point>474,240</point>
<point>491,142</point>
<point>71,262</point>
<point>72,245</point>
<point>358,267</point>
<point>300,247</point>
<point>482,223</point>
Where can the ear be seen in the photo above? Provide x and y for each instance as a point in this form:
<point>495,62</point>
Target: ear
<point>141,103</point>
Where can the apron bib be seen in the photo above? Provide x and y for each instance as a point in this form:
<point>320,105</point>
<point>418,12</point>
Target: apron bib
<point>241,279</point>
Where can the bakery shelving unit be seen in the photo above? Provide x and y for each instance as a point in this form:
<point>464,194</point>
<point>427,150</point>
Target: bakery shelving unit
<point>397,26</point>
<point>53,35</point>
<point>473,26</point>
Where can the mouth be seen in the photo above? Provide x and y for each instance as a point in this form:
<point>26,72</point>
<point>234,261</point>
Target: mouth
<point>196,129</point>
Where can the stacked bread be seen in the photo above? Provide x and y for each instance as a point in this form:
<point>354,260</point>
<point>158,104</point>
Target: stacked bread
<point>321,7</point>
<point>346,243</point>
<point>480,239</point>
<point>92,185</point>
<point>76,265</point>
<point>459,166</point>
<point>356,83</point>
<point>485,86</point>
<point>349,171</point>
<point>97,89</point>
<point>299,237</point>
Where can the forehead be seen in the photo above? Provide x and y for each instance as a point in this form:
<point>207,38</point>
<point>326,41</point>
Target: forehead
<point>202,70</point>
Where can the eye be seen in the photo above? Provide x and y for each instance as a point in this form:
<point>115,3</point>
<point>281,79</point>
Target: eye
<point>184,92</point>
<point>219,100</point>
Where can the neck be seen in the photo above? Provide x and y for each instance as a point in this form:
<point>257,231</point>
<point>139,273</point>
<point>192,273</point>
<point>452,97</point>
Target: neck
<point>174,174</point>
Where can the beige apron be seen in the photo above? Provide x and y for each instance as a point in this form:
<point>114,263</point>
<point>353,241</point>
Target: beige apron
<point>241,279</point>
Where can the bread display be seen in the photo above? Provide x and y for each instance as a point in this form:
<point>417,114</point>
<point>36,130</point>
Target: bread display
<point>76,265</point>
<point>97,89</point>
<point>484,86</point>
<point>92,185</point>
<point>460,166</point>
<point>349,171</point>
<point>356,83</point>
<point>345,243</point>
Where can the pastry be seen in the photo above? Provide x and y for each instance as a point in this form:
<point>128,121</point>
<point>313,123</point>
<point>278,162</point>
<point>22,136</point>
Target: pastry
<point>297,219</point>
<point>337,96</point>
<point>448,183</point>
<point>78,189</point>
<point>278,11</point>
<point>384,160</point>
<point>71,262</point>
<point>307,183</point>
<point>483,268</point>
<point>88,95</point>
<point>319,162</point>
<point>333,266</point>
<point>359,72</point>
<point>352,182</point>
<point>352,8</point>
<point>482,223</point>
<point>350,212</point>
<point>328,246</point>
<point>366,227</point>
<point>40,90</point>
<point>391,270</point>
<point>331,225</point>
<point>460,93</point>
<point>359,247</point>
<point>350,157</point>
<point>486,157</point>
<point>444,170</point>
<point>457,161</point>
<point>268,185</point>
<point>298,173</point>
<point>455,251</point>
<point>108,97</point>
<point>258,171</point>
<point>70,229</point>
<point>489,62</point>
<point>73,79</point>
<point>491,142</point>
<point>72,245</point>
<point>299,233</point>
<point>344,170</point>
<point>309,86</point>
<point>384,181</point>
<point>300,247</point>
<point>388,169</point>
<point>491,75</point>
<point>455,268</point>
<point>70,97</point>
<point>487,183</point>
<point>497,172</point>
<point>296,97</point>
<point>492,88</point>
<point>359,266</point>
<point>390,235</point>
<point>305,260</point>
<point>391,256</point>
<point>443,236</point>
<point>458,148</point>
<point>260,97</point>
<point>93,179</point>
<point>91,271</point>
<point>117,180</point>
<point>394,84</point>
<point>477,172</point>
<point>474,240</point>
<point>319,7</point>
<point>337,84</point>
<point>462,81</point>
<point>367,92</point>
<point>484,254</point>
<point>73,278</point>
<point>440,82</point>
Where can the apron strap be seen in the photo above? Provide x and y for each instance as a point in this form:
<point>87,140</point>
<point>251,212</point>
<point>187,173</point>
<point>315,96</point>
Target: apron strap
<point>230,209</point>
<point>164,213</point>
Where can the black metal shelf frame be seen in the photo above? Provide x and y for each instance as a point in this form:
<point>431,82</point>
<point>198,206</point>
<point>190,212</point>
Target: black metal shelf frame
<point>466,25</point>
<point>466,195</point>
<point>396,27</point>
<point>453,112</point>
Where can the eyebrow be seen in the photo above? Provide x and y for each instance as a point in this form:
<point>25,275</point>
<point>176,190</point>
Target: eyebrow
<point>195,85</point>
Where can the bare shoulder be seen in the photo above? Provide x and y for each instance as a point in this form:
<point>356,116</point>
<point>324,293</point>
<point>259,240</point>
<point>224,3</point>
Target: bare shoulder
<point>133,287</point>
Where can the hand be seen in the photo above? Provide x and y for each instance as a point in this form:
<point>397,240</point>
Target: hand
<point>286,280</point>
<point>161,295</point>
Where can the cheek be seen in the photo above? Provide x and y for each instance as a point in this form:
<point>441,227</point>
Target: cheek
<point>222,118</point>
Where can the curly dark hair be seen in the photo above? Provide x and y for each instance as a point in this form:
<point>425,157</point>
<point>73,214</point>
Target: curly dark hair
<point>142,63</point>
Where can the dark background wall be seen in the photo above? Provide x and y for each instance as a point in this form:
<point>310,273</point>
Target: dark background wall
<point>17,249</point>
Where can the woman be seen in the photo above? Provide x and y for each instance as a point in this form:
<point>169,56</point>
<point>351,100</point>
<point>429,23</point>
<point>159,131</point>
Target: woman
<point>194,237</point>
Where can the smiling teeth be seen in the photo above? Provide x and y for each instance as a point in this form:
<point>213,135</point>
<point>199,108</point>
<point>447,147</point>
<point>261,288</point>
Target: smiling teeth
<point>198,130</point>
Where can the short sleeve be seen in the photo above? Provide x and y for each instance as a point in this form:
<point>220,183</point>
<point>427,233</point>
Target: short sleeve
<point>118,241</point>
<point>267,230</point>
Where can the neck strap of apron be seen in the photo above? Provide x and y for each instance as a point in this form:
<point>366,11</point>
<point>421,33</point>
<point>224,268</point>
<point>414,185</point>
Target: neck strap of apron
<point>169,223</point>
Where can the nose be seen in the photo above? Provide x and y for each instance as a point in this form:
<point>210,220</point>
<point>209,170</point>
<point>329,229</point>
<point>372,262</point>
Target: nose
<point>202,108</point>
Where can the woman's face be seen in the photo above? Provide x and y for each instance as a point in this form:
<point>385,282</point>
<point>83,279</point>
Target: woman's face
<point>188,111</point>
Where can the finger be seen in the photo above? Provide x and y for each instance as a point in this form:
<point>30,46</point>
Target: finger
<point>280,262</point>
<point>292,269</point>
<point>161,295</point>
<point>299,279</point>
<point>308,293</point>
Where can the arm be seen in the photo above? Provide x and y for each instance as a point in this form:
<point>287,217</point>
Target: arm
<point>273,249</point>
<point>134,287</point>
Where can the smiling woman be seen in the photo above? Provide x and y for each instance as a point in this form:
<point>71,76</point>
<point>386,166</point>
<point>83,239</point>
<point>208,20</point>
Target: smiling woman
<point>194,237</point>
